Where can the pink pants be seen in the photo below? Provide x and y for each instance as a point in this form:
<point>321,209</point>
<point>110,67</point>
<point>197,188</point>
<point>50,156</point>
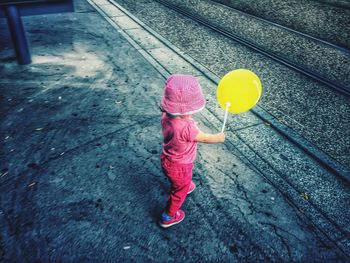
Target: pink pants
<point>180,176</point>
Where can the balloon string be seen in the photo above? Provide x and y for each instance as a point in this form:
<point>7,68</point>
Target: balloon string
<point>225,118</point>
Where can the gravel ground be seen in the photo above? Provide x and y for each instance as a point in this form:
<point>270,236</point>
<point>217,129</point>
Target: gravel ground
<point>328,19</point>
<point>318,113</point>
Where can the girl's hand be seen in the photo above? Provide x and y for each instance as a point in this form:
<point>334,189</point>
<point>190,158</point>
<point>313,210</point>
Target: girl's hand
<point>221,137</point>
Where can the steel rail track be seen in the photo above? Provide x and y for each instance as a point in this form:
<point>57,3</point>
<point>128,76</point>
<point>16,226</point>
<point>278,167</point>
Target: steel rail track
<point>340,88</point>
<point>327,43</point>
<point>276,126</point>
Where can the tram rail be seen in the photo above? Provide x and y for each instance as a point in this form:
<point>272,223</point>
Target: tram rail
<point>303,70</point>
<point>327,43</point>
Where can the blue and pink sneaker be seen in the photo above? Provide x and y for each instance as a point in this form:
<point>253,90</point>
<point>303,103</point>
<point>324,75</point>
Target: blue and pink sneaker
<point>167,221</point>
<point>192,187</point>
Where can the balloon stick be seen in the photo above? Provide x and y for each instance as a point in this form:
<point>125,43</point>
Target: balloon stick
<point>225,118</point>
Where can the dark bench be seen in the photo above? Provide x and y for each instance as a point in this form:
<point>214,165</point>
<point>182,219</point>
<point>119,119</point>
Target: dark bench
<point>13,10</point>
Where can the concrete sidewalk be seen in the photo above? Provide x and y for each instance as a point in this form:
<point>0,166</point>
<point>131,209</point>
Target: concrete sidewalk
<point>80,143</point>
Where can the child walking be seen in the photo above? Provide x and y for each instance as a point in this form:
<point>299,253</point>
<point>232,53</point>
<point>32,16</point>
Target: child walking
<point>182,97</point>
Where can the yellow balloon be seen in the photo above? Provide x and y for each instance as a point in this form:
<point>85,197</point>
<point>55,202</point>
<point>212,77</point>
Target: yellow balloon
<point>241,88</point>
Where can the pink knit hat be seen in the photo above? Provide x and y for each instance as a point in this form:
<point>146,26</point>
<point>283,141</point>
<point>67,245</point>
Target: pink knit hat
<point>182,95</point>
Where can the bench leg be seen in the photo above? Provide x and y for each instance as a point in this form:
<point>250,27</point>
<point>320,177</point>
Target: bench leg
<point>17,33</point>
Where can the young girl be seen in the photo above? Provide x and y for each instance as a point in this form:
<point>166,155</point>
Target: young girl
<point>182,97</point>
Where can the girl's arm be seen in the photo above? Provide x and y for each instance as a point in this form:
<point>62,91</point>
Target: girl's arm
<point>210,138</point>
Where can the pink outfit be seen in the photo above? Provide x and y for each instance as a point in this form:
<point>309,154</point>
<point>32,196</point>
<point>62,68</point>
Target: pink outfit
<point>179,134</point>
<point>178,154</point>
<point>180,177</point>
<point>182,96</point>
